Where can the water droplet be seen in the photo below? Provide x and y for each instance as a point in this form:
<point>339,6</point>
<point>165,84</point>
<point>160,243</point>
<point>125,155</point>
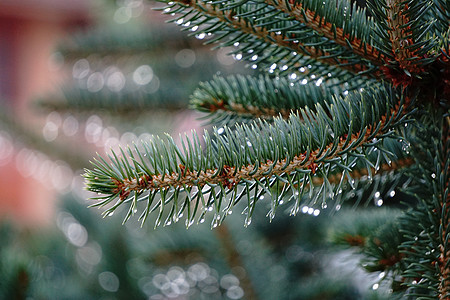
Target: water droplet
<point>110,214</point>
<point>375,286</point>
<point>379,202</point>
<point>189,223</point>
<point>433,175</point>
<point>377,194</point>
<point>248,221</point>
<point>338,207</point>
<point>221,130</point>
<point>200,36</point>
<point>324,205</point>
<point>294,211</point>
<point>305,209</point>
<point>392,193</point>
<point>316,212</point>
<point>238,56</point>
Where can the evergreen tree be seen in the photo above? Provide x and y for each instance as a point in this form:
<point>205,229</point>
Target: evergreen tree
<point>345,95</point>
<point>133,75</point>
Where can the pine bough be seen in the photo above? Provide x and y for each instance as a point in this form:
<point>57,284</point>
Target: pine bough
<point>346,94</point>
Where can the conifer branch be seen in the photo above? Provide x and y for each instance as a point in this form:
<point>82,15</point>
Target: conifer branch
<point>444,247</point>
<point>348,34</point>
<point>262,97</point>
<point>261,161</point>
<point>397,20</point>
<point>335,56</point>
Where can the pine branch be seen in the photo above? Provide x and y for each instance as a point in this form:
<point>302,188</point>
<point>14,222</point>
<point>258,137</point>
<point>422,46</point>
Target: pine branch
<point>405,37</point>
<point>345,24</point>
<point>286,151</point>
<point>427,246</point>
<point>441,11</point>
<point>375,234</point>
<point>247,25</point>
<point>245,97</point>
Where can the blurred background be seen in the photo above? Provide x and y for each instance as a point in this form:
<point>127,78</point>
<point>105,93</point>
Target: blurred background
<point>80,77</point>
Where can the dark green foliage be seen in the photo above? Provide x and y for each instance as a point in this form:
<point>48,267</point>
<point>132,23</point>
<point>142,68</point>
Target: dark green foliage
<point>383,97</point>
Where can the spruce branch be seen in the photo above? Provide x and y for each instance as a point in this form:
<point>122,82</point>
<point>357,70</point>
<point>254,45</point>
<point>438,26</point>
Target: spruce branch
<point>257,157</point>
<point>406,38</point>
<point>427,245</point>
<point>242,24</point>
<point>245,97</point>
<point>345,24</point>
